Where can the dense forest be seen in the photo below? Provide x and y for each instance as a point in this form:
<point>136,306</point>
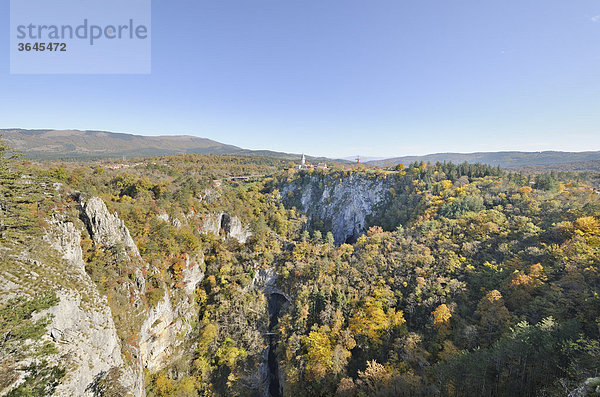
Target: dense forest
<point>467,280</point>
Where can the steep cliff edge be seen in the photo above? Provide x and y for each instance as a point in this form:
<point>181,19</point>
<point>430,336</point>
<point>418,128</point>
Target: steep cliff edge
<point>104,338</point>
<point>82,325</point>
<point>80,328</point>
<point>159,328</point>
<point>106,228</point>
<point>339,203</point>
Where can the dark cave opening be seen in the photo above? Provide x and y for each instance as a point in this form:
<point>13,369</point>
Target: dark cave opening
<point>351,239</point>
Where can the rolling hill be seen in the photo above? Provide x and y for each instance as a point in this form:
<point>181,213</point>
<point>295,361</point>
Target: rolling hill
<point>51,144</point>
<point>503,159</point>
<point>76,144</point>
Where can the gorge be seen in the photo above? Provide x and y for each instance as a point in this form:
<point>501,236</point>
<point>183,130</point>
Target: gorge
<point>305,283</point>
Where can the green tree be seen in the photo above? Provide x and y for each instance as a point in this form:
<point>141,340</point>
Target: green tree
<point>329,239</point>
<point>317,236</point>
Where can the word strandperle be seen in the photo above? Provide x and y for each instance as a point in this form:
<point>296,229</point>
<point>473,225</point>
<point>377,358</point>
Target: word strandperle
<point>84,31</point>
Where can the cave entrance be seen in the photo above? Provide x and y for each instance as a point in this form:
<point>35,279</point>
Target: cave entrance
<point>225,224</point>
<point>351,239</point>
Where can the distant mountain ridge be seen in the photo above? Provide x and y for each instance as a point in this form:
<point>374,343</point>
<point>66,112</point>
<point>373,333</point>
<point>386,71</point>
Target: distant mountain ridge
<point>76,144</point>
<point>50,144</point>
<point>505,159</point>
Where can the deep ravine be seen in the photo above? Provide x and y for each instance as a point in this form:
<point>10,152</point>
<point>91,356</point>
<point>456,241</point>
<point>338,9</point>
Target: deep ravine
<point>275,304</point>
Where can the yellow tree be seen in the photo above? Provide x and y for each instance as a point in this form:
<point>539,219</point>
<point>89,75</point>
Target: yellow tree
<point>441,319</point>
<point>587,225</point>
<point>319,354</point>
<point>371,320</point>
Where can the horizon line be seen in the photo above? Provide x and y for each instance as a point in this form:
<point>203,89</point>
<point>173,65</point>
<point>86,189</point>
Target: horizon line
<point>345,158</point>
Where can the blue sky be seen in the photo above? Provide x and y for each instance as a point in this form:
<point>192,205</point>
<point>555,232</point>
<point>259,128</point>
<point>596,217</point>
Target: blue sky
<point>343,77</point>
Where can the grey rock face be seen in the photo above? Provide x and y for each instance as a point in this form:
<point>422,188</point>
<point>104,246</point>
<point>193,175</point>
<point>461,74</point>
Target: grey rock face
<point>66,239</point>
<point>266,281</point>
<point>163,323</point>
<point>176,223</point>
<point>234,229</point>
<point>192,275</point>
<point>156,334</point>
<point>345,202</point>
<point>88,338</point>
<point>225,224</point>
<point>82,326</point>
<point>159,335</point>
<point>106,228</point>
<point>212,224</point>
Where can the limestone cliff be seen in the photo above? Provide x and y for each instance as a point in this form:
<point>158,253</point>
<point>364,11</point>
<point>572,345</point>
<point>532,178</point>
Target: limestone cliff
<point>93,342</point>
<point>218,223</point>
<point>113,338</point>
<point>222,223</point>
<point>167,324</point>
<point>106,228</point>
<point>340,204</point>
<point>81,327</point>
<point>164,326</point>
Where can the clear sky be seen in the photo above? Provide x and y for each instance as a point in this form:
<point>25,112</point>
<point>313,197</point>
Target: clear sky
<point>343,77</point>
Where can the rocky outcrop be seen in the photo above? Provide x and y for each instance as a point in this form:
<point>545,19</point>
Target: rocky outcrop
<point>224,224</point>
<point>219,224</point>
<point>110,231</point>
<point>82,326</point>
<point>160,332</point>
<point>192,274</point>
<point>156,335</point>
<point>343,203</point>
<point>106,228</point>
<point>163,331</point>
<point>167,324</point>
<point>266,281</point>
<point>176,223</point>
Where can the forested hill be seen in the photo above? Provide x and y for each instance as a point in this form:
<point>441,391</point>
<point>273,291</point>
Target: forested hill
<point>503,159</point>
<point>75,144</point>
